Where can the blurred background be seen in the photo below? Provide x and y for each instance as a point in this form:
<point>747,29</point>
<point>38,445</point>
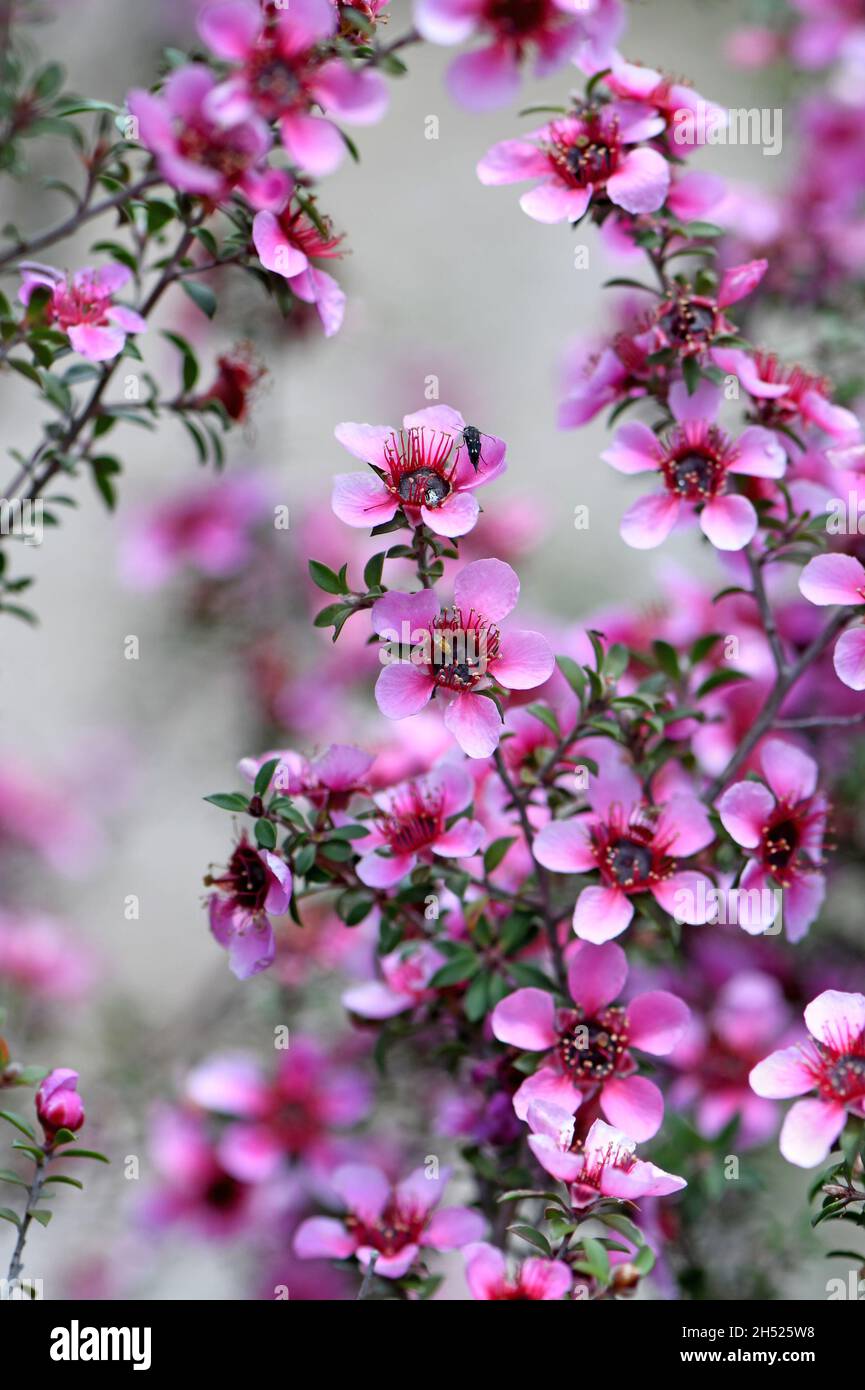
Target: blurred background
<point>446,279</point>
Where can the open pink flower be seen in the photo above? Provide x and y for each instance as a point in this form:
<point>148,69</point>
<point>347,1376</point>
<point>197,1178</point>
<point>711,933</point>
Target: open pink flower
<point>830,579</point>
<point>285,70</point>
<point>331,779</point>
<point>291,1114</point>
<point>82,306</point>
<point>603,1165</point>
<point>458,651</point>
<point>583,157</point>
<point>695,460</point>
<point>415,823</point>
<point>288,243</point>
<point>589,1045</point>
<point>208,527</point>
<point>195,152</point>
<point>790,395</point>
<point>782,824</point>
<point>424,469</point>
<point>832,1062</point>
<point>407,972</point>
<point>255,884</point>
<point>389,1224</point>
<point>634,846</point>
<point>489,77</point>
<point>535,1280</point>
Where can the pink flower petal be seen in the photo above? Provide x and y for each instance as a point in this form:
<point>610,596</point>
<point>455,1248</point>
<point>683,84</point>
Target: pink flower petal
<point>454,1227</point>
<point>397,610</point>
<point>782,1074</point>
<point>375,1000</point>
<point>791,774</point>
<point>641,182</point>
<point>744,809</point>
<point>230,29</point>
<point>633,1104</point>
<point>455,517</point>
<point>376,871</point>
<point>545,1280</point>
<point>729,522</point>
<point>366,442</point>
<point>402,690</point>
<point>759,454</point>
<point>490,587</point>
<point>251,950</point>
<point>836,1018</point>
<point>314,144</point>
<point>684,826</point>
<point>565,846</point>
<point>321,1237</point>
<point>547,1085</point>
<point>485,79</point>
<point>475,723</point>
<point>739,281</point>
<point>486,1271</point>
<point>849,658</point>
<point>596,975</point>
<point>511,161</point>
<point>554,202</point>
<point>649,521</point>
<point>97,344</point>
<point>565,1167</point>
<point>810,1130</point>
<point>700,404</point>
<point>601,914</point>
<point>363,1189</point>
<point>635,449</point>
<point>463,840</point>
<point>361,499</point>
<point>656,1022</point>
<point>687,896</point>
<point>526,660</point>
<point>833,579</point>
<point>526,1019</point>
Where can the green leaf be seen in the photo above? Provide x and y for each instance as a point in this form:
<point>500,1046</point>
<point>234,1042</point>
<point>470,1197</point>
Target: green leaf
<point>546,717</point>
<point>6,1175</point>
<point>596,1258</point>
<point>43,1217</point>
<point>19,1124</point>
<point>719,678</point>
<point>461,968</point>
<point>573,673</point>
<point>477,1000</point>
<point>373,571</point>
<point>9,1215</point>
<point>202,296</point>
<point>533,1238</point>
<point>62,1177</point>
<point>495,853</point>
<point>666,657</point>
<point>86,1153</point>
<point>326,579</point>
<point>265,834</point>
<point>691,373</point>
<point>263,776</point>
<point>353,906</point>
<point>228,801</point>
<point>644,1260</point>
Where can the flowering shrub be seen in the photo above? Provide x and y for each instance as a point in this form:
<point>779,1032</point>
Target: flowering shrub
<point>512,882</point>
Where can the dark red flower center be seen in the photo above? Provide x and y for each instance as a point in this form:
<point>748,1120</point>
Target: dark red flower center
<point>419,466</point>
<point>593,1049</point>
<point>688,323</point>
<point>391,1233</point>
<point>589,158</point>
<point>414,822</point>
<point>628,852</point>
<point>517,20</point>
<point>246,879</point>
<point>463,649</point>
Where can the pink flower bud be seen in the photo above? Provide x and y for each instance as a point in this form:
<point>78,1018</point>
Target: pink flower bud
<point>58,1104</point>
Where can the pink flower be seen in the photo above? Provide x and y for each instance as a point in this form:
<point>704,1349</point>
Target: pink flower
<point>830,579</point>
<point>197,1182</point>
<point>208,527</point>
<point>695,460</point>
<point>489,77</point>
<point>291,1114</point>
<point>583,157</point>
<point>407,972</point>
<point>390,1224</point>
<point>195,152</point>
<point>603,1165</point>
<point>536,1279</point>
<point>58,1104</point>
<point>415,822</point>
<point>634,846</point>
<point>284,71</point>
<point>589,1045</point>
<point>788,396</point>
<point>41,959</point>
<point>832,1062</point>
<point>288,243</point>
<point>424,470</point>
<point>83,307</point>
<point>255,884</point>
<point>782,823</point>
<point>458,651</point>
<point>331,779</point>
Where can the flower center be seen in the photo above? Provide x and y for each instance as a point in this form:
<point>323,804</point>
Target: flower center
<point>462,649</point>
<point>202,148</point>
<point>592,1050</point>
<point>80,304</point>
<point>413,823</point>
<point>589,157</point>
<point>248,878</point>
<point>418,461</point>
<point>629,861</point>
<point>517,19</point>
<point>688,322</point>
<point>391,1233</point>
<point>780,843</point>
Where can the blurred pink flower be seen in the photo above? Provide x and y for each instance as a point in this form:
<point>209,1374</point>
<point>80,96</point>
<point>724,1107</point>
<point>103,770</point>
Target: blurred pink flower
<point>82,306</point>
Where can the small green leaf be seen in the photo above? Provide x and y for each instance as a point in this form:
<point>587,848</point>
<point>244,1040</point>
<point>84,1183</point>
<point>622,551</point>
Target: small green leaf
<point>326,579</point>
<point>9,1215</point>
<point>263,776</point>
<point>228,801</point>
<point>495,853</point>
<point>533,1238</point>
<point>265,834</point>
<point>19,1124</point>
<point>43,1217</point>
<point>202,296</point>
<point>61,1177</point>
<point>86,1153</point>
